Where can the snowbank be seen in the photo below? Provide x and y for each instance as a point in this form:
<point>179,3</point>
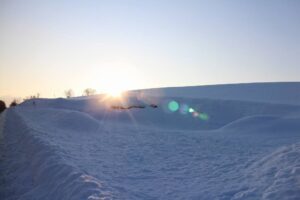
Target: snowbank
<point>33,169</point>
<point>84,149</point>
<point>285,93</point>
<point>60,119</point>
<point>260,124</point>
<point>275,176</point>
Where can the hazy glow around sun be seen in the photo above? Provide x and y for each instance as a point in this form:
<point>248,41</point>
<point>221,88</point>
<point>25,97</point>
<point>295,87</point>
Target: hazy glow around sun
<point>48,47</point>
<point>116,78</point>
<point>115,92</point>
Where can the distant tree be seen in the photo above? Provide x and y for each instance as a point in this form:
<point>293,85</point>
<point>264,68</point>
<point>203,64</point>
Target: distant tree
<point>35,96</point>
<point>69,93</point>
<point>89,91</point>
<point>2,106</point>
<point>13,103</point>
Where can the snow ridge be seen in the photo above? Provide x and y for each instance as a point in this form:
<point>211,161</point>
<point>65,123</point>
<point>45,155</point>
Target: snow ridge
<point>37,168</point>
<point>275,176</point>
<point>83,149</point>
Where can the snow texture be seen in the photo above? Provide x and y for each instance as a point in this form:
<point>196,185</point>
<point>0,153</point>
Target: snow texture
<point>82,148</point>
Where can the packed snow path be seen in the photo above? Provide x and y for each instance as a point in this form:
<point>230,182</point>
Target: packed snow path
<point>58,150</point>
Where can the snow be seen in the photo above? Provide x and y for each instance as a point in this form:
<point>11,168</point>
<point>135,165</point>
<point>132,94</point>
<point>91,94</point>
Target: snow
<point>277,175</point>
<point>286,92</point>
<point>84,149</point>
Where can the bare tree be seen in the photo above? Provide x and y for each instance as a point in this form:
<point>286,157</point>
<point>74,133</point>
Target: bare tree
<point>89,91</point>
<point>69,93</point>
<point>35,96</point>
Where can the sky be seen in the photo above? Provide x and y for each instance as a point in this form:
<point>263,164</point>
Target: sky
<point>49,46</point>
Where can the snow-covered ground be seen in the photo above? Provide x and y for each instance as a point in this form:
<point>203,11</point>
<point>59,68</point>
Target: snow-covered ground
<point>197,144</point>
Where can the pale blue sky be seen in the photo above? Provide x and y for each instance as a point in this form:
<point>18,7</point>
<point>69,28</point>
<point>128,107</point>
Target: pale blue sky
<point>50,46</point>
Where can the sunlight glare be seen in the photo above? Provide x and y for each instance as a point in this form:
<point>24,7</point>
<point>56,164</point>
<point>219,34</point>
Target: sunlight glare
<point>117,78</point>
<point>115,92</point>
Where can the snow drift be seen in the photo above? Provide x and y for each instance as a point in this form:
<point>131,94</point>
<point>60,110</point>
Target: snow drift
<point>83,148</point>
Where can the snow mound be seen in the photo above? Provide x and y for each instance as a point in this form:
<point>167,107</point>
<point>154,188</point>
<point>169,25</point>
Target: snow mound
<point>285,92</point>
<point>33,169</point>
<point>275,176</point>
<point>220,112</point>
<point>265,123</point>
<point>68,120</point>
<point>246,148</point>
<point>72,120</point>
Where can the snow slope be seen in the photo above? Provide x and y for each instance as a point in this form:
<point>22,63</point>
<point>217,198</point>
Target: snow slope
<point>84,149</point>
<point>286,92</point>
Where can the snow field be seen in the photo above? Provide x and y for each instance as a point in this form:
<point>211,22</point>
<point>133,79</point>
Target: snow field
<point>83,149</point>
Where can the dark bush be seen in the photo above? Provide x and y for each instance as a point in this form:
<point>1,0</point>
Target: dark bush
<point>127,108</point>
<point>13,104</point>
<point>2,106</point>
<point>153,105</point>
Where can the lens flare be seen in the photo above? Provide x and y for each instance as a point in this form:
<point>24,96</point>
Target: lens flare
<point>191,110</point>
<point>195,114</point>
<point>203,116</point>
<point>173,106</point>
<point>184,109</point>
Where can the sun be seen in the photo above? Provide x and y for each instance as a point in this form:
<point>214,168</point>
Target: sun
<point>115,92</point>
<point>115,78</point>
